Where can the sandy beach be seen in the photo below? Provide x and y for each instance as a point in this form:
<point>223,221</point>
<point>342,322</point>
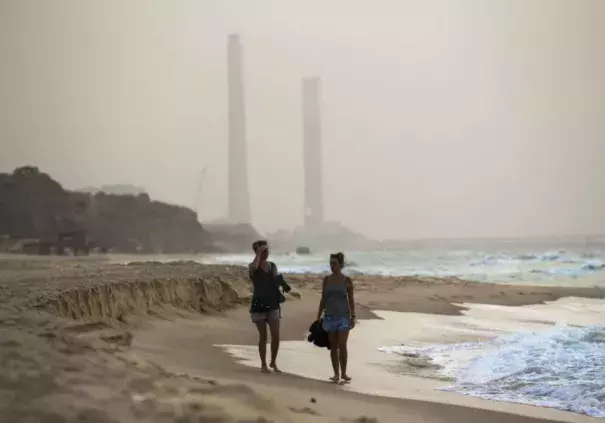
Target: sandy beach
<point>87,340</point>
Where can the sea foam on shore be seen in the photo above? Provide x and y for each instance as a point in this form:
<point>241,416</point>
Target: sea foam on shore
<point>530,355</point>
<point>550,355</point>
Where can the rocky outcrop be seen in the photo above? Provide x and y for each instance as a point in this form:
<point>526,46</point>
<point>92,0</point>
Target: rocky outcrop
<point>139,224</point>
<point>329,236</point>
<point>233,238</point>
<point>34,206</point>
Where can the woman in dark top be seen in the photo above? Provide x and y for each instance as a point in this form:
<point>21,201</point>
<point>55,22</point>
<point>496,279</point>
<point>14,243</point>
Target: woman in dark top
<point>338,307</point>
<point>265,306</point>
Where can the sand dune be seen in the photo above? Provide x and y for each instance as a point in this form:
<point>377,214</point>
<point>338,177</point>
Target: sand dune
<point>72,344</point>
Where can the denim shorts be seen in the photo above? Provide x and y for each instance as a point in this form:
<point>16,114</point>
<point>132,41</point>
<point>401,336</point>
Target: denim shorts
<point>336,323</point>
<point>265,316</point>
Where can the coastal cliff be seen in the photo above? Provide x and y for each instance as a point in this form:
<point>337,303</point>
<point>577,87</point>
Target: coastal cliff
<point>35,207</point>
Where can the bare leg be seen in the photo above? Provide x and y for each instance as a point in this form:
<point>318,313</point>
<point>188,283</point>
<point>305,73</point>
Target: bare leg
<point>343,354</point>
<point>274,328</point>
<point>262,345</point>
<point>333,337</point>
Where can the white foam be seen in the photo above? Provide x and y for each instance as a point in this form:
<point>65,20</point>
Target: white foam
<point>454,342</point>
<point>560,368</point>
<point>532,356</point>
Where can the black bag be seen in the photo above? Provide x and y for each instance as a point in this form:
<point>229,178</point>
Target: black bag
<point>318,336</point>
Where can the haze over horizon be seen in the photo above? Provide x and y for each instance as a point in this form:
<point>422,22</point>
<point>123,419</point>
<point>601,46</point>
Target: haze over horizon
<point>441,118</point>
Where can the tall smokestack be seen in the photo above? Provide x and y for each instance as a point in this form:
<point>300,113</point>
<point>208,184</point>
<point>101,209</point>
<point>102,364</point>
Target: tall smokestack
<point>239,196</point>
<point>314,213</point>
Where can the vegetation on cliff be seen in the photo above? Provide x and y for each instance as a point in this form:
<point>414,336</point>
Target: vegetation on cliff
<point>118,189</point>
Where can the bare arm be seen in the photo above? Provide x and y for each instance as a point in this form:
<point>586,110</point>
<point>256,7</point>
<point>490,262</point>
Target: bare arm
<point>351,296</point>
<point>253,267</point>
<point>280,279</point>
<point>321,301</point>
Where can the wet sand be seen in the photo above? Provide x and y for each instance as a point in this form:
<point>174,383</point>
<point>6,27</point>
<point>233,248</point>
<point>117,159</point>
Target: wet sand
<point>85,340</point>
<point>378,373</point>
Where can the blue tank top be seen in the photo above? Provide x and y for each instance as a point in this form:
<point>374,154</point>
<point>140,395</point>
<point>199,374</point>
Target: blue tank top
<point>336,298</point>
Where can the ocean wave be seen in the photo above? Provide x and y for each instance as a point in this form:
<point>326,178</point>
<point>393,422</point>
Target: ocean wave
<point>583,268</point>
<point>560,256</point>
<point>593,265</point>
<point>570,272</point>
<point>560,368</point>
<point>547,256</point>
<point>507,267</point>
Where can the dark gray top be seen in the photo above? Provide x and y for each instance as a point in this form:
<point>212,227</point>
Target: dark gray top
<point>336,298</point>
<point>265,292</point>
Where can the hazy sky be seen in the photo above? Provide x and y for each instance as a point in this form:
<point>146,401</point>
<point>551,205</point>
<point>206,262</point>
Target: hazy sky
<point>440,118</point>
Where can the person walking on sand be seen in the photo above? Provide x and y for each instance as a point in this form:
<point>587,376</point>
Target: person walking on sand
<point>337,305</point>
<point>265,307</point>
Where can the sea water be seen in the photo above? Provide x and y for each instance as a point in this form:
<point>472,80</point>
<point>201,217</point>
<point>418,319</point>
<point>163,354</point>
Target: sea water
<point>561,365</point>
<point>560,267</point>
<point>544,355</point>
<point>562,368</point>
<point>549,355</point>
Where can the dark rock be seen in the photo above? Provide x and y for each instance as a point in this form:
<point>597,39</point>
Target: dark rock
<point>303,250</point>
<point>40,217</point>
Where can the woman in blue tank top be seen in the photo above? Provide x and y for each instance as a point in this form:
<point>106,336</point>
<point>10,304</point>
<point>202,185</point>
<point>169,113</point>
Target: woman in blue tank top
<point>337,305</point>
